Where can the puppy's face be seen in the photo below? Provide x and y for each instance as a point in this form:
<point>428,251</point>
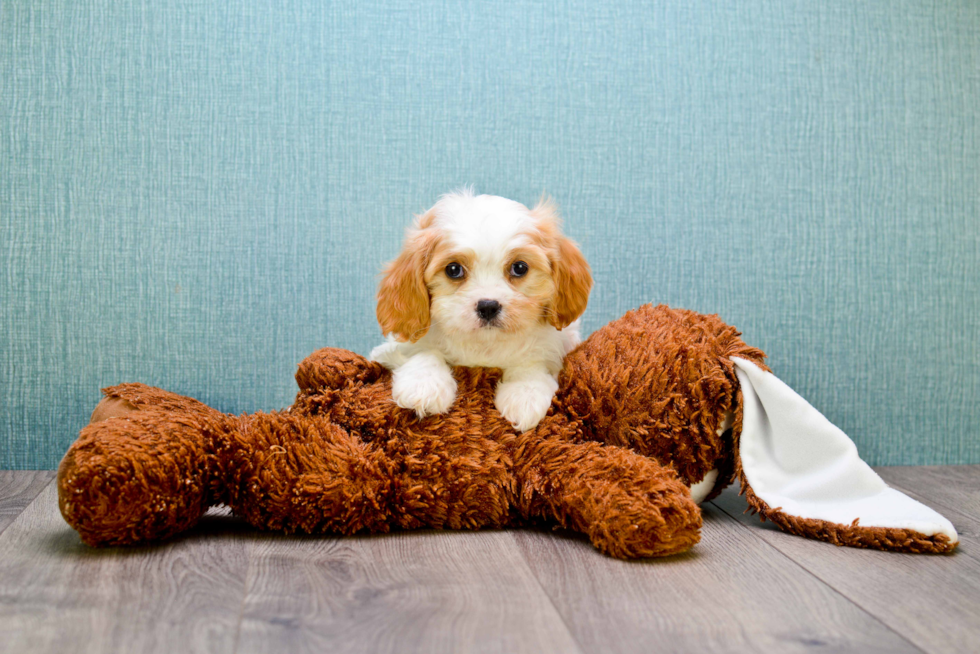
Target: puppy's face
<point>483,265</point>
<point>490,271</point>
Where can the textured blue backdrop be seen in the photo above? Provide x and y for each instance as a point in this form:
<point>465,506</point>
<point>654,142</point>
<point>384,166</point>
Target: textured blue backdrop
<point>196,194</point>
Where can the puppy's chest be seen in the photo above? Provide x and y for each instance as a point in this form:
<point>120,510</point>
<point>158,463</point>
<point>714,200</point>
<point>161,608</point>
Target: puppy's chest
<point>510,352</point>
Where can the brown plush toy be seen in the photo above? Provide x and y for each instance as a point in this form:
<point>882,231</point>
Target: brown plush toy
<point>647,406</point>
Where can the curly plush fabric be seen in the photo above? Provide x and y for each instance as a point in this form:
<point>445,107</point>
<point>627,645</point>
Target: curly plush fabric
<point>635,422</point>
<point>646,407</point>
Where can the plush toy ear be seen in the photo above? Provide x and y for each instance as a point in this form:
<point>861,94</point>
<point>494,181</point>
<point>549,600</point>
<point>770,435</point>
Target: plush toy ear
<point>803,473</point>
<point>403,298</point>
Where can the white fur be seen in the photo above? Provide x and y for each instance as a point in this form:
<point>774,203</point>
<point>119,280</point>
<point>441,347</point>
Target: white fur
<point>424,383</point>
<point>530,354</point>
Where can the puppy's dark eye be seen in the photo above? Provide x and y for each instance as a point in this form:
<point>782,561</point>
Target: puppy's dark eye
<point>518,269</point>
<point>454,271</point>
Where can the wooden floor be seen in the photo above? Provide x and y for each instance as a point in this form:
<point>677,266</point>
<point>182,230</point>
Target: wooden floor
<point>224,588</point>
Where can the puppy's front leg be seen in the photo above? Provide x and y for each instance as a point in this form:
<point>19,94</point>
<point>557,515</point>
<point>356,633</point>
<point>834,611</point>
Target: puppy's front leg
<point>524,395</point>
<point>424,384</point>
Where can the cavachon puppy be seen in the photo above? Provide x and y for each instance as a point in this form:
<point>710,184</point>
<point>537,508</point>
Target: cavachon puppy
<point>482,281</point>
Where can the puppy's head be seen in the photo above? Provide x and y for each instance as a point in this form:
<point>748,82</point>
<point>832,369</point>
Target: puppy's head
<point>483,265</point>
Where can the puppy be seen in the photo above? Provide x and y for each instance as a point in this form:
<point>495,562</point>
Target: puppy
<point>482,281</point>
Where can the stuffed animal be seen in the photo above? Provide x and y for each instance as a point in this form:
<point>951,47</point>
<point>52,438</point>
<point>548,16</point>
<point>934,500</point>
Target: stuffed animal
<point>656,411</point>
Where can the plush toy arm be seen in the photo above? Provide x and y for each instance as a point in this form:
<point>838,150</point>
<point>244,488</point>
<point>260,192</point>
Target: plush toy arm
<point>332,367</point>
<point>143,469</point>
<point>629,505</point>
<point>804,474</point>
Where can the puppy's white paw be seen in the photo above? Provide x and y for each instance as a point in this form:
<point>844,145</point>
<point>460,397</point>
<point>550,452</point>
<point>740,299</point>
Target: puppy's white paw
<point>423,385</point>
<point>525,402</point>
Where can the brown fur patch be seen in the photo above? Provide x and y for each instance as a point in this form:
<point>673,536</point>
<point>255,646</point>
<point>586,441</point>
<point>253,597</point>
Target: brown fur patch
<point>403,297</point>
<point>111,407</point>
<point>573,283</point>
<point>443,255</point>
<point>569,269</point>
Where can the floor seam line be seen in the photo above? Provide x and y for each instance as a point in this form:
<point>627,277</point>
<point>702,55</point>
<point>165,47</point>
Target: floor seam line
<point>29,504</point>
<point>547,595</point>
<point>245,592</point>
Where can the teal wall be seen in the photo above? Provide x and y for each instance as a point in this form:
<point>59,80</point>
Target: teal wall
<point>196,194</point>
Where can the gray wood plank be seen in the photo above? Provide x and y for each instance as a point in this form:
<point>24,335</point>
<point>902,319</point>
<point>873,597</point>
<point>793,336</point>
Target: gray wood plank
<point>954,487</point>
<point>58,595</point>
<point>409,592</point>
<point>731,593</point>
<point>932,600</point>
<point>18,488</point>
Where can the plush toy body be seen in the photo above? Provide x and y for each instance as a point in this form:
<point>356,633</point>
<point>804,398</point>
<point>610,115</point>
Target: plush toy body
<point>647,406</point>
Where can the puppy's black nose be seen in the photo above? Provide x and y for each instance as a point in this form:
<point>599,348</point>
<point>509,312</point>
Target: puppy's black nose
<point>487,309</point>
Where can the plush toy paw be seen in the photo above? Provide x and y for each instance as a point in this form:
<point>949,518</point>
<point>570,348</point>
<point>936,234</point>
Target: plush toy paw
<point>525,402</point>
<point>424,385</point>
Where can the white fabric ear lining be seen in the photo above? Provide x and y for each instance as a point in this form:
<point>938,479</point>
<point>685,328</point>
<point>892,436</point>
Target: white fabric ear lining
<point>798,462</point>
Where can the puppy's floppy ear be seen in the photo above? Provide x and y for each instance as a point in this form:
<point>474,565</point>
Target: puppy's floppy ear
<point>569,269</point>
<point>403,298</point>
<point>573,281</point>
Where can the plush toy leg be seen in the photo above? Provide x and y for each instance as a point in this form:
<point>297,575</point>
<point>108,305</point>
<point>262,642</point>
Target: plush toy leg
<point>306,473</point>
<point>141,470</point>
<point>629,505</point>
<point>803,473</point>
<point>296,473</point>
